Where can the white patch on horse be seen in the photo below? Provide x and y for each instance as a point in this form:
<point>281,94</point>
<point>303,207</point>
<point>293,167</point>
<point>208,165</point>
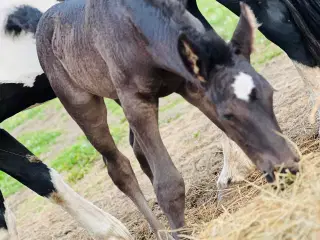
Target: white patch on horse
<point>236,164</point>
<point>102,225</point>
<point>4,234</point>
<point>311,79</point>
<point>11,223</point>
<point>243,86</point>
<point>18,56</point>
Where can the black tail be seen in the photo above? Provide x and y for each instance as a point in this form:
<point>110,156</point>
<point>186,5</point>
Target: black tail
<point>306,15</point>
<point>24,18</point>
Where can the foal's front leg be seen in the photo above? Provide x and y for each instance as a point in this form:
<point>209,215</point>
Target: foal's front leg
<point>138,152</point>
<point>141,112</point>
<point>236,164</point>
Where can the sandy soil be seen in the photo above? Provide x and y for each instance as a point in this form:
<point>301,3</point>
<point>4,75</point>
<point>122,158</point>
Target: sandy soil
<point>193,143</point>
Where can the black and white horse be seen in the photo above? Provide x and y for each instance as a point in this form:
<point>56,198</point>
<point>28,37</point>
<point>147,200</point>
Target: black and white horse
<point>23,84</point>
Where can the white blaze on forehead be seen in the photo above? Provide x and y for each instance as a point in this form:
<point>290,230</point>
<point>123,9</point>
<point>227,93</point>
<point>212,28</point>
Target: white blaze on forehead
<point>100,224</point>
<point>243,86</point>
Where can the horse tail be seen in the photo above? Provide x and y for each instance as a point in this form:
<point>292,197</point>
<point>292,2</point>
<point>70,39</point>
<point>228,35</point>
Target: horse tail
<point>23,19</point>
<point>306,15</point>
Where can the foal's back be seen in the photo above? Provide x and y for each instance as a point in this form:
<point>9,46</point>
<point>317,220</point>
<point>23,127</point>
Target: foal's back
<point>103,42</point>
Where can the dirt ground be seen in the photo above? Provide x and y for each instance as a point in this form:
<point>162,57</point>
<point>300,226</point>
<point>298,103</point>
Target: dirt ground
<point>193,143</point>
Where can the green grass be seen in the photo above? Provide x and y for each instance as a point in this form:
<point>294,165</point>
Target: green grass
<point>76,160</point>
<point>224,22</point>
<point>196,135</point>
<point>39,142</point>
<point>113,107</point>
<point>22,117</point>
<point>171,105</point>
<point>9,185</point>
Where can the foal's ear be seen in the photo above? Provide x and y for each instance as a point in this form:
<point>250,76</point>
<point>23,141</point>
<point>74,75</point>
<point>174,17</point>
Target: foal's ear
<point>190,53</point>
<point>243,37</point>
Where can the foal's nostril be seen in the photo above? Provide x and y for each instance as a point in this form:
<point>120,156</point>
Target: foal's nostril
<point>296,159</point>
<point>270,177</point>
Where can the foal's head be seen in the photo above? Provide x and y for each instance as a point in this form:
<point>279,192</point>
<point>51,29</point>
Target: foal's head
<point>242,97</point>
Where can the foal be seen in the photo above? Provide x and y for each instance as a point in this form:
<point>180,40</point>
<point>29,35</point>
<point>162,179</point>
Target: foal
<point>294,26</point>
<point>139,51</point>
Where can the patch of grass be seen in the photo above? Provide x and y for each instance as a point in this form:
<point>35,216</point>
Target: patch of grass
<point>119,131</point>
<point>171,105</point>
<point>225,22</point>
<point>22,117</point>
<point>220,18</point>
<point>196,134</point>
<point>40,141</point>
<point>113,107</point>
<point>170,119</point>
<point>76,160</point>
<point>9,185</point>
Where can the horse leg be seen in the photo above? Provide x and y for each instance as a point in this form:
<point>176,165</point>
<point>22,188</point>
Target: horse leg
<point>139,153</point>
<point>236,164</point>
<point>140,156</point>
<point>8,230</point>
<point>311,79</point>
<point>21,164</point>
<point>141,112</point>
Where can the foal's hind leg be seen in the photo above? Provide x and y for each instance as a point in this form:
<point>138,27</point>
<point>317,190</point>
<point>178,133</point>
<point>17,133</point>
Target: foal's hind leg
<point>8,230</point>
<point>20,163</point>
<point>90,113</point>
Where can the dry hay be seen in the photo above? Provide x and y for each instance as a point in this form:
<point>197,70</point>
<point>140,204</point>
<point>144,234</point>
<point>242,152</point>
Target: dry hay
<point>280,210</point>
<point>277,213</point>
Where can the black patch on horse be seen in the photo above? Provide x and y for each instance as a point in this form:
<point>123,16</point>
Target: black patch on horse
<point>306,15</point>
<point>23,18</point>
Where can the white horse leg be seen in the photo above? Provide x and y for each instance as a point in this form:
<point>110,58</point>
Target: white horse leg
<point>311,79</point>
<point>236,164</point>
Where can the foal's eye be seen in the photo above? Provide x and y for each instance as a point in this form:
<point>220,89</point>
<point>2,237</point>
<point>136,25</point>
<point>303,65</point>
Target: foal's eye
<point>228,116</point>
<point>237,51</point>
<point>253,95</point>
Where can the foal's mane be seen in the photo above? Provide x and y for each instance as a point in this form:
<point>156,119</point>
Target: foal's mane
<point>306,15</point>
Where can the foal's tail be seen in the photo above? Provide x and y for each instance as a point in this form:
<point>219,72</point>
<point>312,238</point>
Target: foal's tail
<point>23,19</point>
